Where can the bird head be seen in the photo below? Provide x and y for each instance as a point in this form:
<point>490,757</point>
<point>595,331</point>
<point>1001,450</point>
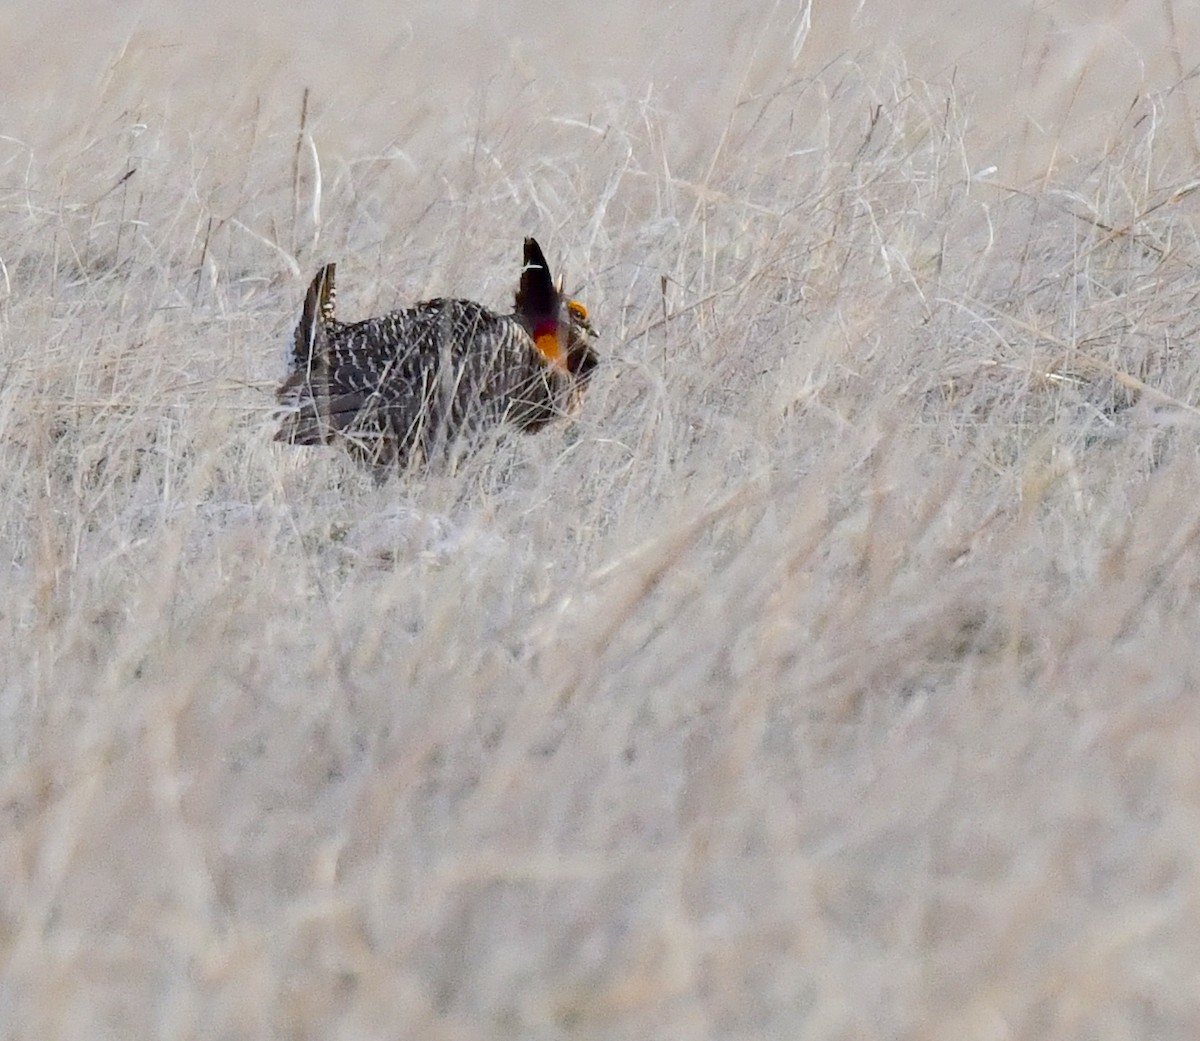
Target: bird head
<point>558,325</point>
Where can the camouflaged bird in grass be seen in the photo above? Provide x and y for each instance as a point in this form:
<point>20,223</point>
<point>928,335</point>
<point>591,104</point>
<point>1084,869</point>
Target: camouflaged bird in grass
<point>415,383</point>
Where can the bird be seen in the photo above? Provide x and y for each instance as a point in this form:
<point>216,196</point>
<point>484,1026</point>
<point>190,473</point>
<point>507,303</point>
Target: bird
<point>415,384</point>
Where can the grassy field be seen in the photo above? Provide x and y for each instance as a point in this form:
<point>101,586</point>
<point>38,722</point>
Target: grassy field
<point>833,675</point>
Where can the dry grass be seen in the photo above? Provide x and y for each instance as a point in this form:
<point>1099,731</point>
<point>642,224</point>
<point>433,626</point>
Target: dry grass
<point>833,676</point>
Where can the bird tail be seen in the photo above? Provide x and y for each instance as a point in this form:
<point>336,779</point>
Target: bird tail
<point>306,391</point>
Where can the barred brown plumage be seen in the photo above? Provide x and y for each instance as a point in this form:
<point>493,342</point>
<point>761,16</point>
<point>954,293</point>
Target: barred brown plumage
<point>411,384</point>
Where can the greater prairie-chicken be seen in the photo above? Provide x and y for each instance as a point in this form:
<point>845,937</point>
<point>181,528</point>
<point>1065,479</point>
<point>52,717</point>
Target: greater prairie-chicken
<point>416,382</point>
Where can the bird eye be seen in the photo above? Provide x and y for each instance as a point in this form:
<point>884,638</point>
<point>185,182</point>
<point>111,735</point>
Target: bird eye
<point>579,314</point>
